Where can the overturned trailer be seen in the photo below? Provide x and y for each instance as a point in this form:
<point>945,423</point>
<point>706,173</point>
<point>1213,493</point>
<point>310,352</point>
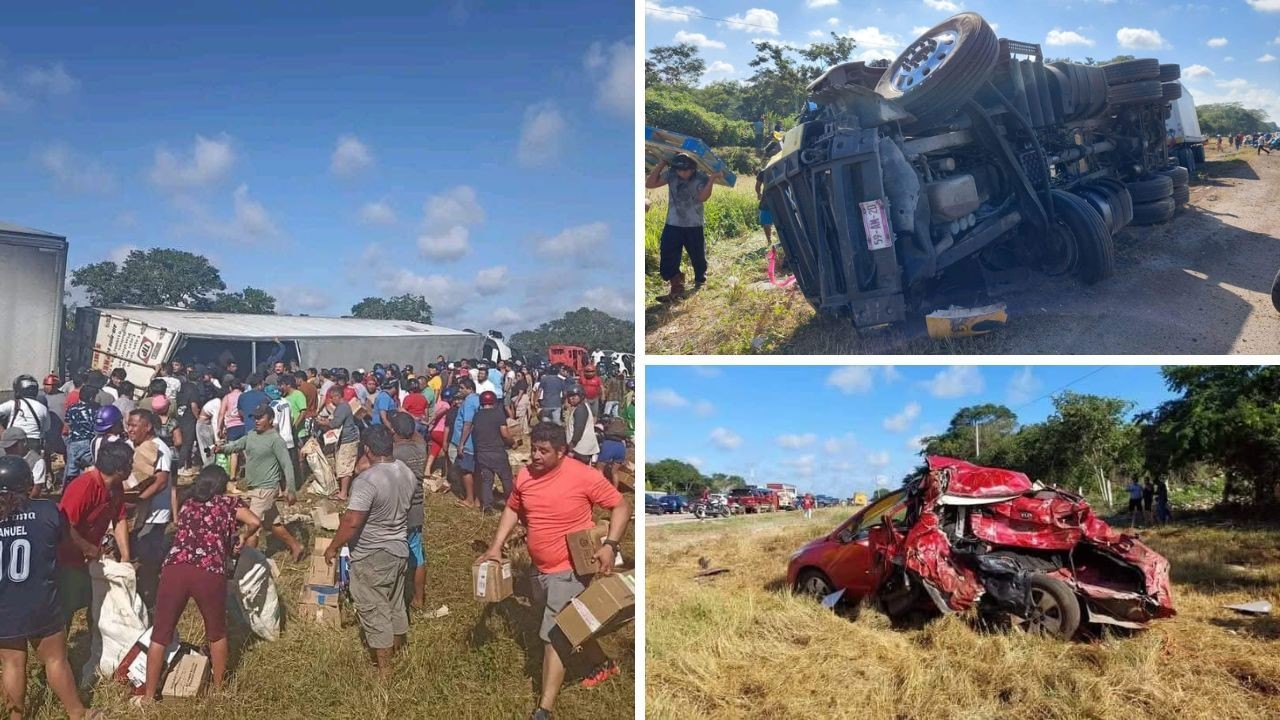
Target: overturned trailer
<point>968,160</point>
<point>138,339</point>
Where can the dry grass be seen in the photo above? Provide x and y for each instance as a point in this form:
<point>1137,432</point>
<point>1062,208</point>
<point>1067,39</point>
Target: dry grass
<point>477,662</point>
<point>742,646</point>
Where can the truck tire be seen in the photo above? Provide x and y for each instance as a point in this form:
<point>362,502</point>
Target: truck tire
<point>1154,213</point>
<point>1140,91</point>
<point>1149,189</point>
<point>1197,151</point>
<point>1095,251</point>
<point>1170,91</point>
<point>1132,71</point>
<point>1275,292</point>
<point>1170,72</point>
<point>1054,611</point>
<point>1178,174</point>
<point>1181,195</point>
<point>1187,159</point>
<point>933,79</point>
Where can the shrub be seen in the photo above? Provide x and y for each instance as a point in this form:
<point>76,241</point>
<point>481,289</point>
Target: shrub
<point>744,160</point>
<point>677,111</point>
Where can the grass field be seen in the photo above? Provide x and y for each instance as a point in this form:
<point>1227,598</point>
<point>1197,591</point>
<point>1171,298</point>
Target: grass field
<point>741,645</point>
<point>479,661</point>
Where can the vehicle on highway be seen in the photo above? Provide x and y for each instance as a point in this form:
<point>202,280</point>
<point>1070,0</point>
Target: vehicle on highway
<point>652,506</point>
<point>786,495</point>
<point>961,536</point>
<point>714,506</point>
<point>942,178</point>
<point>752,500</point>
<point>673,504</point>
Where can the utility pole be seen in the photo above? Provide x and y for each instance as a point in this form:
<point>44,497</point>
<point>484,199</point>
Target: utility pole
<point>977,439</point>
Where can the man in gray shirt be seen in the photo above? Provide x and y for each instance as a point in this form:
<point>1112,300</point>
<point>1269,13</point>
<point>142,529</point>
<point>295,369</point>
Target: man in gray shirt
<point>687,190</point>
<point>375,528</point>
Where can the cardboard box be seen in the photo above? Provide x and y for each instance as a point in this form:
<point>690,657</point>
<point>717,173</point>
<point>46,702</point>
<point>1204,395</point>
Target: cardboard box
<point>583,546</point>
<point>608,603</point>
<point>319,604</point>
<point>187,676</point>
<point>321,573</point>
<point>492,581</point>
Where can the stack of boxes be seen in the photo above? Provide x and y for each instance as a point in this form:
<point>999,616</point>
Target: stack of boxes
<point>319,600</point>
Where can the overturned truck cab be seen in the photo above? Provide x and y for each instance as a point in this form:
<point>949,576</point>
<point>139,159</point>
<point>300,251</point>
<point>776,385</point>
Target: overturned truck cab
<point>964,163</point>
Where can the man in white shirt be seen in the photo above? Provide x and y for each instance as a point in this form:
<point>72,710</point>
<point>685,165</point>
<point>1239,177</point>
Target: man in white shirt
<point>160,497</point>
<point>24,411</point>
<point>483,383</point>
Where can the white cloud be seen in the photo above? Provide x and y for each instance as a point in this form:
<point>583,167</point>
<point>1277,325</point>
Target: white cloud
<point>210,163</point>
<point>698,39</point>
<point>1276,41</point>
<point>506,316</point>
<point>942,5</point>
<point>118,254</point>
<point>956,381</point>
<point>449,244</point>
<point>704,408</point>
<point>878,459</point>
<point>873,54</point>
<point>696,461</point>
<point>915,443</point>
<point>755,21</point>
<point>610,300</point>
<point>1195,72</point>
<point>378,213</point>
<point>1233,84</point>
<point>1058,37</point>
<point>872,37</point>
<point>447,295</point>
<point>719,67</point>
<point>1024,386</point>
<point>251,218</point>
<point>673,13</point>
<point>613,68</point>
<point>851,379</point>
<point>901,421</point>
<point>52,81</point>
<point>833,21</point>
<point>127,220</point>
<point>821,3</point>
<point>1228,59</point>
<point>457,206</point>
<point>839,445</point>
<point>918,30</point>
<point>795,442</point>
<point>667,398</point>
<point>350,157</point>
<point>292,299</point>
<point>891,373</point>
<point>725,439</point>
<point>706,371</point>
<point>541,135</point>
<point>1264,5</point>
<point>1216,42</point>
<point>802,466</point>
<point>575,241</point>
<point>250,222</point>
<point>74,172</point>
<point>492,280</point>
<point>1267,58</point>
<point>1140,38</point>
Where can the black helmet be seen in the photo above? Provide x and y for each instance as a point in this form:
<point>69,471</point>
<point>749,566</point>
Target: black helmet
<point>25,386</point>
<point>574,389</point>
<point>682,161</point>
<point>15,475</point>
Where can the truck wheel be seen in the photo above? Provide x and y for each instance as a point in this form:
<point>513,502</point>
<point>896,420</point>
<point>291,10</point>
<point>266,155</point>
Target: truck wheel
<point>1132,71</point>
<point>1149,189</point>
<point>1140,91</point>
<point>1170,91</point>
<point>1181,195</point>
<point>813,583</point>
<point>1197,151</point>
<point>1178,174</point>
<point>1187,159</point>
<point>1054,609</point>
<point>1095,251</point>
<point>941,70</point>
<point>1154,213</point>
<point>1170,72</point>
<point>1275,292</point>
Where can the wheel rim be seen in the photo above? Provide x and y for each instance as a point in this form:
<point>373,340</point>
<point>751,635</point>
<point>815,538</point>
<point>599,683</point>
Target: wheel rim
<point>816,586</point>
<point>925,56</point>
<point>1044,614</point>
<point>1060,250</point>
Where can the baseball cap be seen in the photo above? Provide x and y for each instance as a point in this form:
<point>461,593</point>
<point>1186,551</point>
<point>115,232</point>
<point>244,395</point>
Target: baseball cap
<point>160,404</point>
<point>488,398</point>
<point>262,410</point>
<point>12,436</point>
<point>51,379</point>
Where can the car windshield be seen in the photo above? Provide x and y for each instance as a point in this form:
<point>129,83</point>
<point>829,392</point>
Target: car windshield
<point>893,503</point>
<point>741,492</point>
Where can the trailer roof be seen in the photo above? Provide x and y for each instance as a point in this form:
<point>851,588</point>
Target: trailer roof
<point>268,327</point>
<point>29,236</point>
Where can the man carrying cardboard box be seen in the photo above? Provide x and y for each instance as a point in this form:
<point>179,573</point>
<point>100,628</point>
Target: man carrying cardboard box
<point>553,498</point>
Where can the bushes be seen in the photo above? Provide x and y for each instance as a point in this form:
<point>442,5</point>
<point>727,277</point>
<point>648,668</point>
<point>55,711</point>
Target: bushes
<point>676,111</point>
<point>728,213</point>
<point>744,160</point>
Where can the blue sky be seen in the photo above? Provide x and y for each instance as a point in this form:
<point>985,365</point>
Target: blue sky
<point>838,430</point>
<point>470,151</point>
<point>1227,49</point>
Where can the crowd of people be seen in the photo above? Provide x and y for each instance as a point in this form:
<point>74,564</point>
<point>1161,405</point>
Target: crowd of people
<point>113,456</point>
<point>1264,142</point>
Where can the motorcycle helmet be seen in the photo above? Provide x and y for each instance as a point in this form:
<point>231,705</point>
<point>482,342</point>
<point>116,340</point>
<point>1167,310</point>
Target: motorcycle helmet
<point>449,393</point>
<point>107,417</point>
<point>574,389</point>
<point>15,475</point>
<point>25,386</point>
<point>390,384</point>
<point>631,384</point>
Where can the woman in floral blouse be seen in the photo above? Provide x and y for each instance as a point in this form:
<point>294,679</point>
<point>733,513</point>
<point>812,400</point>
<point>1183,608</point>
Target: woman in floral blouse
<point>197,567</point>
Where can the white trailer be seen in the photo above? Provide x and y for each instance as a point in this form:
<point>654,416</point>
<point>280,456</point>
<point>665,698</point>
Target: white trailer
<point>33,268</point>
<point>1183,129</point>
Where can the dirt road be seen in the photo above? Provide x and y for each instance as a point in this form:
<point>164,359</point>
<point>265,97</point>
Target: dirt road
<point>1200,284</point>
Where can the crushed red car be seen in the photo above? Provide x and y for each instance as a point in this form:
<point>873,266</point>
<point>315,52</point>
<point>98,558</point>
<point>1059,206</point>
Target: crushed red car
<point>961,536</point>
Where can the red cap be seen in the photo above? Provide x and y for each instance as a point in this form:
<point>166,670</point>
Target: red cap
<point>488,398</point>
<point>51,379</point>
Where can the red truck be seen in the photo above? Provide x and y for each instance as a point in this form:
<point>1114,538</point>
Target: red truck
<point>752,500</point>
<point>571,356</point>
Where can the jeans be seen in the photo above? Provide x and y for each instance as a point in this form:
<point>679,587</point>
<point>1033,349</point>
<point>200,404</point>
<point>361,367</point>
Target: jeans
<point>489,464</point>
<point>79,458</point>
<point>550,415</point>
<point>675,241</point>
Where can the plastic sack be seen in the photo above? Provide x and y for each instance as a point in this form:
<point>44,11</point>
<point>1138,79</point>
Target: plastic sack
<point>253,598</point>
<point>120,615</point>
<point>323,480</point>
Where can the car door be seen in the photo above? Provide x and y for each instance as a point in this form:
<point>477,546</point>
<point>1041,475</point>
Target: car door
<point>860,560</point>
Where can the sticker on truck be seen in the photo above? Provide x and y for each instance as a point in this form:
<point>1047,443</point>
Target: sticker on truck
<point>875,222</point>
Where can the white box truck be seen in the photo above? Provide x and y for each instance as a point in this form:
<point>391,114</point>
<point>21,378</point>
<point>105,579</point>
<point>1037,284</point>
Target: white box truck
<point>1183,128</point>
<point>33,268</point>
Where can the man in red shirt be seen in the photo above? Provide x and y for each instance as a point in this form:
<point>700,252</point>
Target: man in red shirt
<point>415,403</point>
<point>90,505</point>
<point>553,497</point>
<point>593,389</point>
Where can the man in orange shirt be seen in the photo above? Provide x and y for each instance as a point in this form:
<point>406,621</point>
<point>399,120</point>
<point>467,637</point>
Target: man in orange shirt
<point>552,498</point>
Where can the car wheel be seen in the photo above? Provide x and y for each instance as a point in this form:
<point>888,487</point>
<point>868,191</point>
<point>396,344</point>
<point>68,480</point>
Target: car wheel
<point>1054,609</point>
<point>942,69</point>
<point>1094,250</point>
<point>1170,72</point>
<point>1154,213</point>
<point>1132,71</point>
<point>1142,91</point>
<point>1149,189</point>
<point>814,583</point>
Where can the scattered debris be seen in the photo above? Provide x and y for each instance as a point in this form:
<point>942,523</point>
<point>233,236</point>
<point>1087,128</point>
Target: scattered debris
<point>965,322</point>
<point>439,612</point>
<point>1257,607</point>
<point>829,602</point>
<point>710,572</point>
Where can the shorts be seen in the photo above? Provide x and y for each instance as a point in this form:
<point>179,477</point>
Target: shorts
<point>235,432</point>
<point>1135,504</point>
<point>437,442</point>
<point>766,217</point>
<point>467,463</point>
<point>262,502</point>
<point>553,591</point>
<point>181,582</point>
<point>75,590</point>
<point>377,591</point>
<point>613,451</point>
<point>415,547</point>
<point>344,464</point>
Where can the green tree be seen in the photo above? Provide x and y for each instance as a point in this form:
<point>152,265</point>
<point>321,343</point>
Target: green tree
<point>993,426</point>
<point>720,482</point>
<point>678,65</point>
<point>413,308</point>
<point>1230,118</point>
<point>673,476</point>
<point>1090,435</point>
<point>585,327</point>
<point>250,301</point>
<point>783,72</point>
<point>151,277</point>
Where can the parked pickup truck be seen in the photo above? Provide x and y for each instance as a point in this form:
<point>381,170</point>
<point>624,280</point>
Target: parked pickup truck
<point>752,500</point>
<point>786,495</point>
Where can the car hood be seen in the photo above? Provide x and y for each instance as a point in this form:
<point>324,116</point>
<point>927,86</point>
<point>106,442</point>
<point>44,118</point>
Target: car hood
<point>967,480</point>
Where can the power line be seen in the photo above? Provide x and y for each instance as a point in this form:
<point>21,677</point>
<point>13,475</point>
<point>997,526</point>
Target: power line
<point>1064,387</point>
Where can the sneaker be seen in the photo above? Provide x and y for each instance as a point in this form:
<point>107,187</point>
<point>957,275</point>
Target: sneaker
<point>540,714</point>
<point>603,672</point>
